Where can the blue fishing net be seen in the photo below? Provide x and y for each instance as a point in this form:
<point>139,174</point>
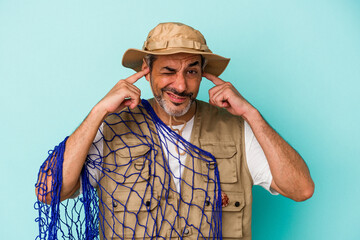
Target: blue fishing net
<point>133,195</point>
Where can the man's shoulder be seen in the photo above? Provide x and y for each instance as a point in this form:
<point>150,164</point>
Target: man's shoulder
<point>219,121</point>
<point>128,122</point>
<point>217,124</point>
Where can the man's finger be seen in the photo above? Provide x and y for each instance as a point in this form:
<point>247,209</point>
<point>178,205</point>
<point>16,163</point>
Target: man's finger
<point>213,78</point>
<point>133,78</point>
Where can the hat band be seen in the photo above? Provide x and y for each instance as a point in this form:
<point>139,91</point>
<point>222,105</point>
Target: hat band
<point>175,43</point>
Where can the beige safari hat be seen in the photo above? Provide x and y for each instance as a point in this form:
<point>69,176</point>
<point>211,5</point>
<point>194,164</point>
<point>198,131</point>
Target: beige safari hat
<point>170,38</point>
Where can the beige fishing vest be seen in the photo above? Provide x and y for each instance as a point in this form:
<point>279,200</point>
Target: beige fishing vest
<point>215,131</point>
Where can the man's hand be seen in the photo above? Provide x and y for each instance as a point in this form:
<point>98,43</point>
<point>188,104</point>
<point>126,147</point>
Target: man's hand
<point>123,94</point>
<point>226,96</point>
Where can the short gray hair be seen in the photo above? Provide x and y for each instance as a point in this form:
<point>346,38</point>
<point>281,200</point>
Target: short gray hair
<point>150,59</point>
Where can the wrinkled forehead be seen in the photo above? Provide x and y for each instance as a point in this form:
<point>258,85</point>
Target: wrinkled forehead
<point>178,59</point>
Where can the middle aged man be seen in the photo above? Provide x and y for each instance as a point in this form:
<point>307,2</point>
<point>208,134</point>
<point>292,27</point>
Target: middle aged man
<point>173,166</point>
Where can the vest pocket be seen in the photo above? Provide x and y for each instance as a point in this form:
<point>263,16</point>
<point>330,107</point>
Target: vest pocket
<point>225,154</point>
<point>130,214</point>
<point>131,165</point>
<point>232,216</point>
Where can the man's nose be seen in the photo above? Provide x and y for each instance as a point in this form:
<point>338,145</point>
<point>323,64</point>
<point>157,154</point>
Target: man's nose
<point>180,82</point>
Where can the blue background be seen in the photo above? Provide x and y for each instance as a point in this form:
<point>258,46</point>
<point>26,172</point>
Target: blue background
<point>297,61</point>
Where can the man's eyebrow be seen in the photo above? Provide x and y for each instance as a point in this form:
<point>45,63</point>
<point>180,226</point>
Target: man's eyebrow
<point>173,70</point>
<point>169,69</point>
<point>194,64</point>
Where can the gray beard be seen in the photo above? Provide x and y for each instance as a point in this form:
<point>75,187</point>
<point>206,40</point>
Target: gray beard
<point>172,112</point>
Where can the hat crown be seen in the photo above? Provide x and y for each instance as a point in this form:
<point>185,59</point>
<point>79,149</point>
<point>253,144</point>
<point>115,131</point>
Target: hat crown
<point>174,35</point>
<point>173,38</point>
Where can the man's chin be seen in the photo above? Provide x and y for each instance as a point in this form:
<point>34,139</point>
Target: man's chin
<point>177,110</point>
<point>177,104</point>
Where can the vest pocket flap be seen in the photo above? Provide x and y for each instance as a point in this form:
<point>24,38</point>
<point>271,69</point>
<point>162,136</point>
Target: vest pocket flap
<point>236,202</point>
<point>129,171</point>
<point>133,150</point>
<point>131,164</point>
<point>224,149</point>
<point>225,154</point>
<point>126,201</point>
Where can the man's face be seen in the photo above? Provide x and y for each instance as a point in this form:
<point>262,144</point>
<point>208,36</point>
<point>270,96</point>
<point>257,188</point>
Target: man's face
<point>175,81</point>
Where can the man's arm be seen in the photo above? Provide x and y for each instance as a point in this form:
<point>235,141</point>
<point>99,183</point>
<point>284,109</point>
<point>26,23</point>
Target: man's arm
<point>291,176</point>
<point>123,94</point>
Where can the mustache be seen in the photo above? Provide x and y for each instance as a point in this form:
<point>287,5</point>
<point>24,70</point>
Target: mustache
<point>181,94</point>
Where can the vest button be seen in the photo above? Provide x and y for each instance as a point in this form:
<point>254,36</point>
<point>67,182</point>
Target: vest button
<point>237,204</point>
<point>186,231</point>
<point>115,204</point>
<point>207,203</point>
<point>147,203</point>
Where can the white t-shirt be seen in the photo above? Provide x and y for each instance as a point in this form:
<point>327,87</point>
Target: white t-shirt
<point>255,157</point>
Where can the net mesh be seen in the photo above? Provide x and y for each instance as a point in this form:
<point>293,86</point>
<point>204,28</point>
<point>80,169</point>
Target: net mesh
<point>128,188</point>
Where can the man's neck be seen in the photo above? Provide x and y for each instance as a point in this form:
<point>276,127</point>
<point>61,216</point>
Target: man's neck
<point>160,112</point>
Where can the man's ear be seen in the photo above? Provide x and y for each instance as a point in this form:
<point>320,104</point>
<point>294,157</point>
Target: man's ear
<point>143,66</point>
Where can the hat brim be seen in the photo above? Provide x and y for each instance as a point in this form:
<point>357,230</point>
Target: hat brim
<point>133,58</point>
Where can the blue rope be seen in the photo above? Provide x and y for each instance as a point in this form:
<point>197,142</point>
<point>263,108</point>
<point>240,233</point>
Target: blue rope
<point>91,206</point>
<point>78,218</point>
<point>217,203</point>
<point>49,215</point>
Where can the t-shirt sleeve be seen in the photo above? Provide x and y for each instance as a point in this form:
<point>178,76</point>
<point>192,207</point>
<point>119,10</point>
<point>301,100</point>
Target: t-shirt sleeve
<point>256,161</point>
<point>94,159</point>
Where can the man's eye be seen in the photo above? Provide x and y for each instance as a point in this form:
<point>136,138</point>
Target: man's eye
<point>192,71</point>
